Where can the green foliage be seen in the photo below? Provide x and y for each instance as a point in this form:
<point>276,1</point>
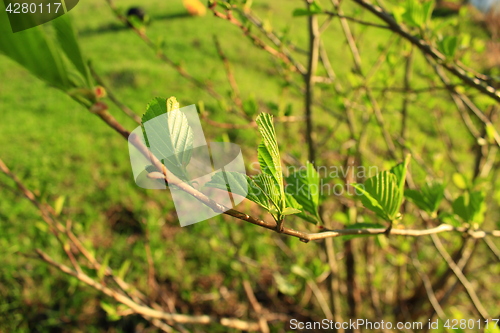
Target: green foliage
<point>460,181</point>
<point>269,154</point>
<point>428,198</point>
<point>111,311</point>
<point>176,141</point>
<point>448,46</point>
<point>418,14</point>
<point>303,189</point>
<point>267,189</point>
<point>384,193</point>
<point>470,207</point>
<point>58,62</point>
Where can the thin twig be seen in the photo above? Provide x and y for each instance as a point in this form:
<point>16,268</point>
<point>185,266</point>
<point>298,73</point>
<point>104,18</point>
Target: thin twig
<point>458,272</point>
<point>426,48</point>
<point>145,310</point>
<point>113,98</point>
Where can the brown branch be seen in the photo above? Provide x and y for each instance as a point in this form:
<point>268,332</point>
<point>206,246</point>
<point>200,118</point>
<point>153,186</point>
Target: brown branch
<point>461,277</point>
<point>256,40</point>
<point>229,74</point>
<point>145,310</point>
<point>113,98</point>
<point>264,327</point>
<point>163,56</point>
<point>428,49</point>
<point>467,102</point>
<point>428,288</point>
<point>312,65</point>
<point>272,36</point>
<point>355,20</point>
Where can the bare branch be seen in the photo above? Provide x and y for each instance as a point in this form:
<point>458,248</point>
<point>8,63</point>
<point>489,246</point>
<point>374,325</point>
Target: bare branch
<point>456,70</point>
<point>145,310</point>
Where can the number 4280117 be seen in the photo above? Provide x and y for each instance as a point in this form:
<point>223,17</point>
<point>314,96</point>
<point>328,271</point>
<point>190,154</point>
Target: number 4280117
<point>455,324</point>
<point>33,8</point>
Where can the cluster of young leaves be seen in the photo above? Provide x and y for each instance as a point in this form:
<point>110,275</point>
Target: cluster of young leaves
<point>414,13</point>
<point>428,198</point>
<point>418,15</point>
<point>173,146</point>
<point>384,193</point>
<point>268,188</point>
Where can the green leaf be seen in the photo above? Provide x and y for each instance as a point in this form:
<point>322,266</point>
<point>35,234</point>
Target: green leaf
<point>104,265</point>
<point>284,286</point>
<point>380,194</point>
<point>291,202</point>
<point>67,40</point>
<point>460,181</point>
<point>448,46</point>
<point>418,14</point>
<point>400,172</point>
<point>242,185</point>
<point>427,9</point>
<point>384,193</point>
<point>291,211</point>
<point>123,269</point>
<point>266,183</point>
<point>175,141</point>
<point>470,207</point>
<point>428,198</point>
<point>59,204</point>
<point>172,104</point>
<point>46,64</point>
<point>302,272</point>
<point>490,132</point>
<point>269,158</point>
<point>303,186</point>
<point>110,310</point>
<point>450,219</point>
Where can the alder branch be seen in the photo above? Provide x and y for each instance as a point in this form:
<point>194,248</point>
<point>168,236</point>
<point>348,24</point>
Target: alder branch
<point>428,49</point>
<point>163,56</point>
<point>460,275</point>
<point>145,310</point>
<point>272,36</point>
<point>256,40</point>
<point>113,98</point>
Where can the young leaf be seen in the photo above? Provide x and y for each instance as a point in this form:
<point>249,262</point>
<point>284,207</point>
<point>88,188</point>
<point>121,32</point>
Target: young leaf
<point>381,195</point>
<point>291,211</point>
<point>428,198</point>
<point>448,46</point>
<point>67,40</point>
<point>470,207</point>
<point>400,172</point>
<point>47,65</point>
<point>303,186</point>
<point>291,202</point>
<point>175,142</point>
<point>384,193</point>
<point>269,158</point>
<point>240,184</point>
